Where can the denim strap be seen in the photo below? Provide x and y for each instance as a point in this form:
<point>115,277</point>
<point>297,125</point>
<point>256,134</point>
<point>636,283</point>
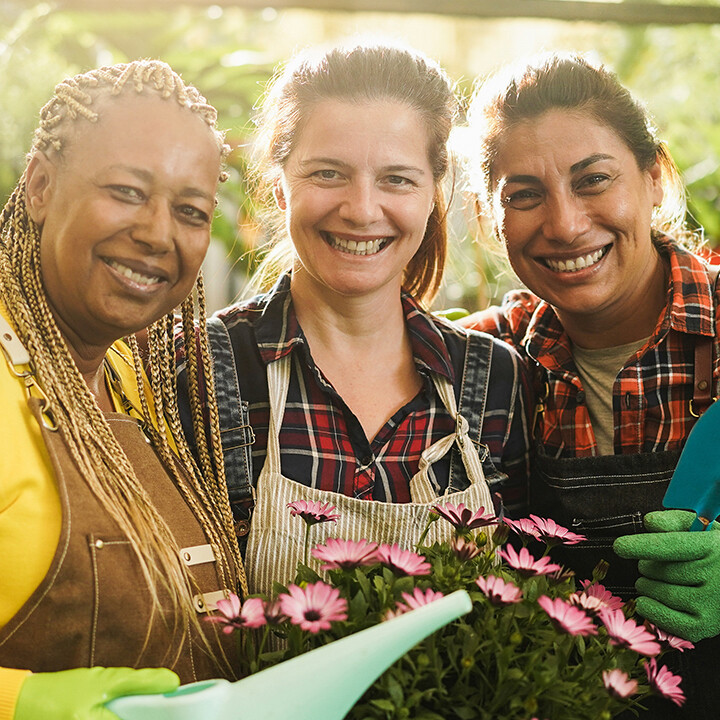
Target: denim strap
<point>471,405</point>
<point>236,434</point>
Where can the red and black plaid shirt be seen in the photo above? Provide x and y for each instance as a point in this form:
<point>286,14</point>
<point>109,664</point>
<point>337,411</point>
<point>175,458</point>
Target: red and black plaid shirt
<point>652,393</point>
<point>322,443</point>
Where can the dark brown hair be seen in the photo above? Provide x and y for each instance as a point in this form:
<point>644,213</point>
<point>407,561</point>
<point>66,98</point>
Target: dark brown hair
<point>357,74</point>
<point>570,82</point>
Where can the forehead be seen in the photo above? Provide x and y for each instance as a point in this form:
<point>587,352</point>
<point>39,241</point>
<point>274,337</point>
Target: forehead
<point>381,130</point>
<point>133,127</point>
<point>557,139</point>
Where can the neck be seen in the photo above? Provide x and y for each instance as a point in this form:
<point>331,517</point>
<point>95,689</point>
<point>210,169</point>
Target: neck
<point>634,320</point>
<point>89,360</point>
<point>363,319</point>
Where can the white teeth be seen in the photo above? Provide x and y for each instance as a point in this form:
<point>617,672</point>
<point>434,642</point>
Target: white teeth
<point>136,277</point>
<point>353,247</point>
<point>578,263</point>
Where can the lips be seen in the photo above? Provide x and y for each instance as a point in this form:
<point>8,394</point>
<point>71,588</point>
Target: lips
<point>580,262</point>
<point>356,247</point>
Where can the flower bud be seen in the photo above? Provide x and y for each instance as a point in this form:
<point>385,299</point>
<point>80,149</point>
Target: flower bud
<point>501,534</point>
<point>600,571</point>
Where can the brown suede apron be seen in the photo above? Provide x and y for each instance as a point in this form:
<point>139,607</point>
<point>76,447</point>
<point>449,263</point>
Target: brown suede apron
<point>93,606</point>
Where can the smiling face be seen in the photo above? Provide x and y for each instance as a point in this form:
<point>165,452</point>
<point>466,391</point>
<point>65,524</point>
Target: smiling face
<point>357,190</point>
<point>125,217</point>
<point>574,211</point>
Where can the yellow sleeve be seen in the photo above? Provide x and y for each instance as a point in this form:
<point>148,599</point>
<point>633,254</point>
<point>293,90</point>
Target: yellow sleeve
<point>30,510</point>
<point>11,681</point>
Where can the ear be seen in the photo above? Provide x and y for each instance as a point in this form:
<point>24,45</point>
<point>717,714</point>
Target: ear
<point>657,193</point>
<point>279,194</point>
<point>40,179</point>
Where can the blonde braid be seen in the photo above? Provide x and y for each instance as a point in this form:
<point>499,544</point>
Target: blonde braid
<point>79,419</point>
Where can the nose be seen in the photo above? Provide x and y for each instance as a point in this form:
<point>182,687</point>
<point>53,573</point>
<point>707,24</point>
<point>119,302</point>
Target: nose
<point>566,218</point>
<point>154,226</point>
<point>361,205</point>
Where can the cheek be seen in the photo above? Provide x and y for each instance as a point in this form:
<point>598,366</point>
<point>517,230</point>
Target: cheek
<point>193,253</point>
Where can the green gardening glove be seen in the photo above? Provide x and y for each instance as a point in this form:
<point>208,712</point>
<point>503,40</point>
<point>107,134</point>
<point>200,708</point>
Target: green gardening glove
<point>680,574</point>
<point>81,694</point>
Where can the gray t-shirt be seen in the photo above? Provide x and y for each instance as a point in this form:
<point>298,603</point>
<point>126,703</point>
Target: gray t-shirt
<point>598,369</point>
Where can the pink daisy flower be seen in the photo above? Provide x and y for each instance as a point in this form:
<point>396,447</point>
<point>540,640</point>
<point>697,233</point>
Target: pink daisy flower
<point>314,607</point>
<point>594,597</point>
<point>664,682</point>
<point>313,512</point>
<point>402,561</point>
<point>625,632</point>
<point>464,549</point>
<point>618,683</point>
<point>567,617</point>
<point>524,527</point>
<point>525,563</point>
<point>345,554</point>
<point>251,614</point>
<point>463,518</point>
<point>552,533</point>
<point>418,599</point>
<point>498,591</point>
<point>672,641</point>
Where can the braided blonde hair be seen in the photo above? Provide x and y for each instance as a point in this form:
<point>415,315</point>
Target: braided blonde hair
<point>78,417</point>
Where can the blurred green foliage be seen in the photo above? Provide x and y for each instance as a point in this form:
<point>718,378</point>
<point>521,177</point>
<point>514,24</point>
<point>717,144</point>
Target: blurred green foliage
<point>219,55</point>
<point>230,53</point>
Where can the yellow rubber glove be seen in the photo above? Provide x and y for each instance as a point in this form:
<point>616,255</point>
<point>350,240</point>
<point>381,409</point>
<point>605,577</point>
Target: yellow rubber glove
<point>81,694</point>
<point>679,585</point>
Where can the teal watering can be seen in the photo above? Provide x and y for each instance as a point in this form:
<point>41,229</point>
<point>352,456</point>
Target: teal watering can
<point>695,484</point>
<point>321,684</point>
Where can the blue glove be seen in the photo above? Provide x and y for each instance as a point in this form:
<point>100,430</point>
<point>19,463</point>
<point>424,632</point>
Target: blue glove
<point>679,585</point>
<point>81,694</point>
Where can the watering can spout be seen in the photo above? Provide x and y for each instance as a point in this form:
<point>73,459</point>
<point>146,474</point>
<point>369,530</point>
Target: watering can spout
<point>323,683</point>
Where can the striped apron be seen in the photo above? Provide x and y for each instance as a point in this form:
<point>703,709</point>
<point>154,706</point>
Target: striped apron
<point>276,543</point>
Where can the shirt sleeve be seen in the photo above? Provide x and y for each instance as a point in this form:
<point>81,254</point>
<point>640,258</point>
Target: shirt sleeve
<point>507,322</point>
<point>11,681</point>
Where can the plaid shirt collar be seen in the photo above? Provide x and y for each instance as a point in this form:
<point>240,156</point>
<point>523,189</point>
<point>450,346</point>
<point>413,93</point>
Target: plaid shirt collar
<point>278,332</point>
<point>690,309</point>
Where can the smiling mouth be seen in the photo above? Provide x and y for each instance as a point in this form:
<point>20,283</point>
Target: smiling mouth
<point>355,247</point>
<point>581,262</point>
<point>134,276</point>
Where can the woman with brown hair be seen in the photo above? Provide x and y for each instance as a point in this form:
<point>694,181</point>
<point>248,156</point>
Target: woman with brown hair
<point>358,396</point>
<point>619,326</point>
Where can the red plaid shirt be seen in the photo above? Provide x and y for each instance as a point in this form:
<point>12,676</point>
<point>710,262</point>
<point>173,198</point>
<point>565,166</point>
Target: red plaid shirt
<point>322,443</point>
<point>652,393</point>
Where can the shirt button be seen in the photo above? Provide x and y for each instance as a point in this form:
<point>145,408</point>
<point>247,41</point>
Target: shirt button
<point>367,460</point>
<point>242,528</point>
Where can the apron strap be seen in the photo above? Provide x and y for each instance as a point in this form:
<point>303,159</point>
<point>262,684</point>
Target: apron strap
<point>278,375</point>
<point>236,434</point>
<point>703,371</point>
<point>421,489</point>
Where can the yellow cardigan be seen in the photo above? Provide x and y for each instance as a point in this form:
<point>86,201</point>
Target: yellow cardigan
<point>30,511</point>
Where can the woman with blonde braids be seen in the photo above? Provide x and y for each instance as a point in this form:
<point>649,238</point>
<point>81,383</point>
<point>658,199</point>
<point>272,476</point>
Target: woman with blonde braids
<point>113,540</point>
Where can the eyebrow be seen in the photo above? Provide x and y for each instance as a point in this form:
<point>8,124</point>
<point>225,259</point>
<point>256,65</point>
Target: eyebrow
<point>340,164</point>
<point>576,167</point>
<point>147,177</point>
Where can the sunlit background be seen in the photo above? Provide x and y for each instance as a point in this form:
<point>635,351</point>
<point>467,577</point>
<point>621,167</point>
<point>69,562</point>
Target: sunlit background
<point>230,50</point>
